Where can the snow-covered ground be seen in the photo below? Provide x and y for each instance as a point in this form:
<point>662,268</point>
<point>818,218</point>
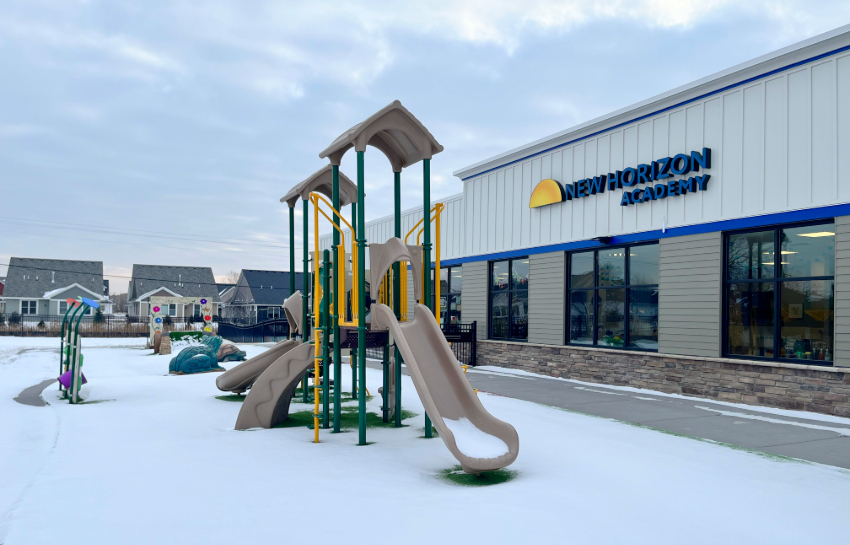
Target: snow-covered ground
<point>156,460</point>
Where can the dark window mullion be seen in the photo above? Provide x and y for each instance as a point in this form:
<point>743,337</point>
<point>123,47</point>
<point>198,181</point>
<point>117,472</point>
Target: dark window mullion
<point>777,262</point>
<point>627,303</point>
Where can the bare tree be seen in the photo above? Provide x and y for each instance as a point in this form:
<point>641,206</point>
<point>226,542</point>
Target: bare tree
<point>230,277</point>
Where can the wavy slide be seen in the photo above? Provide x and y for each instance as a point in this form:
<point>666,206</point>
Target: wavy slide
<point>240,378</point>
<point>479,441</point>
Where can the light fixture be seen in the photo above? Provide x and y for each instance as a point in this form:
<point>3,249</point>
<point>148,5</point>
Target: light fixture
<point>817,234</point>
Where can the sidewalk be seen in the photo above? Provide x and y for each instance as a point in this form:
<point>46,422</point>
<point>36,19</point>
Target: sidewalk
<point>807,436</point>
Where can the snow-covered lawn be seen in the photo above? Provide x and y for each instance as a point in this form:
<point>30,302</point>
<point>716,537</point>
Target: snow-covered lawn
<point>157,461</point>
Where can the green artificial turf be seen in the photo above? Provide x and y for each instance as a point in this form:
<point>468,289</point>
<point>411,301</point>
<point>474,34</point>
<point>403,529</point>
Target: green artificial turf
<point>349,419</point>
<point>457,476</point>
<point>232,397</point>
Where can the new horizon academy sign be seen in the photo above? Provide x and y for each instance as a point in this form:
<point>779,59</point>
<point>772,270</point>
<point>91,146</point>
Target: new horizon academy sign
<point>637,183</point>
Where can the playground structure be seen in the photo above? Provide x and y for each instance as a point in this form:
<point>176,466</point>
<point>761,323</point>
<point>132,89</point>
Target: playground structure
<point>156,315</point>
<point>71,377</point>
<point>339,308</point>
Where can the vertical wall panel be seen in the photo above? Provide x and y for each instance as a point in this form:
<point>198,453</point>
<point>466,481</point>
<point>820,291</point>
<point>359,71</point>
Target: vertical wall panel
<point>501,203</point>
<point>555,218</point>
<point>615,218</point>
<point>603,160</point>
<point>546,298</point>
<point>589,203</point>
<point>842,291</point>
<point>843,121</point>
<point>694,140</point>
<point>676,144</point>
<point>776,144</point>
<point>567,207</point>
<point>492,214</point>
<point>545,216</point>
<point>799,139</point>
<point>713,138</point>
<point>577,206</point>
<point>824,189</point>
<point>644,156</point>
<point>660,148</point>
<point>752,180</point>
<point>630,159</point>
<point>483,215</point>
<point>732,159</point>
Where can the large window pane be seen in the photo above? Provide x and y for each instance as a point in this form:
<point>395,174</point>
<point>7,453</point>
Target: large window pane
<point>457,279</point>
<point>581,270</point>
<point>454,309</point>
<point>499,316</point>
<point>750,256</point>
<point>643,264</point>
<point>612,267</point>
<point>612,317</point>
<point>519,315</point>
<point>806,320</point>
<point>808,251</point>
<point>499,280</point>
<point>581,317</point>
<point>643,318</point>
<point>751,319</point>
<point>520,274</point>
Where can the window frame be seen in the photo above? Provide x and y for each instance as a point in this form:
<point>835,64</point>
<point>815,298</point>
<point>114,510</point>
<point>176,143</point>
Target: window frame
<point>777,280</point>
<point>509,291</point>
<point>626,287</point>
<point>273,310</point>
<point>29,303</point>
<point>448,295</point>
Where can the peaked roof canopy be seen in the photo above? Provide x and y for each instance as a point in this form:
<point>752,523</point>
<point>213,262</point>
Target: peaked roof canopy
<point>322,182</point>
<point>393,130</point>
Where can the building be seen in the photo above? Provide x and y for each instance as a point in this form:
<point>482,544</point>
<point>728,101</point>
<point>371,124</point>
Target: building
<point>41,286</point>
<point>169,281</point>
<point>258,296</point>
<point>697,242</point>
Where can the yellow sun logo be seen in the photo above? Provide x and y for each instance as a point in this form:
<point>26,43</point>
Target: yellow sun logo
<point>547,192</point>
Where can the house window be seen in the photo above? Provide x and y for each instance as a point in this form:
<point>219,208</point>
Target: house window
<point>780,305</point>
<point>509,299</point>
<point>196,311</point>
<point>612,297</point>
<point>273,313</point>
<point>451,285</point>
<point>63,308</point>
<point>29,307</point>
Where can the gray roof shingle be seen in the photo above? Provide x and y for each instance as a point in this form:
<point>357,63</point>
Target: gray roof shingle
<point>29,277</point>
<point>265,287</point>
<point>187,281</point>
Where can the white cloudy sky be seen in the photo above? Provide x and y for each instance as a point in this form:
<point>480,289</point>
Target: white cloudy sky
<point>165,132</point>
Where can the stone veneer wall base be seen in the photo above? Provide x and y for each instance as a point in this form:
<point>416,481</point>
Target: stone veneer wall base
<point>783,385</point>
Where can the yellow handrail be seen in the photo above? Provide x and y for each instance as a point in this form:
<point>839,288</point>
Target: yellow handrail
<point>315,198</point>
<point>437,209</point>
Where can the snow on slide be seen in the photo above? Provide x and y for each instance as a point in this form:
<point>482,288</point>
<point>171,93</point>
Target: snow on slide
<point>479,441</point>
<point>474,442</point>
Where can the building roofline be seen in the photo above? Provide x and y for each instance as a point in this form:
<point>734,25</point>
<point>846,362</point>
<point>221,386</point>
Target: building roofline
<point>788,57</point>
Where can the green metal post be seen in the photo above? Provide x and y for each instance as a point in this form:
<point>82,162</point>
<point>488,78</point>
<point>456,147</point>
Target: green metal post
<point>326,340</point>
<point>339,268</point>
<point>385,399</point>
<point>426,251</point>
<point>68,350</point>
<point>361,294</point>
<point>397,299</point>
<point>305,322</point>
<point>291,255</point>
<point>75,388</point>
<point>62,342</point>
<point>353,358</point>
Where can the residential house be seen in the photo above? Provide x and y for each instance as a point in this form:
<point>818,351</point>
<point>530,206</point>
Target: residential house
<point>2,302</point>
<point>170,281</point>
<point>259,296</point>
<point>41,286</point>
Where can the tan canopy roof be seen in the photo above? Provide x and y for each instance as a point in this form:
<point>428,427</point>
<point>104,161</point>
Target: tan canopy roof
<point>393,130</point>
<point>322,182</point>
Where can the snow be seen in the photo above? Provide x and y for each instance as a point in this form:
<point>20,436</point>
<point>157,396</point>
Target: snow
<point>156,460</point>
<point>474,442</point>
<point>185,342</point>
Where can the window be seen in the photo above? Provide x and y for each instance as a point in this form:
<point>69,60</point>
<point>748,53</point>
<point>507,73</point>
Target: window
<point>509,299</point>
<point>196,311</point>
<point>273,313</point>
<point>63,308</point>
<point>451,284</point>
<point>780,304</point>
<point>612,297</point>
<point>29,307</point>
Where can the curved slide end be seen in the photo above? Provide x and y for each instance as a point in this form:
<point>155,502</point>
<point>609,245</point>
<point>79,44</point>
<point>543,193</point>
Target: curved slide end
<point>268,401</point>
<point>292,308</point>
<point>242,377</point>
<point>479,440</point>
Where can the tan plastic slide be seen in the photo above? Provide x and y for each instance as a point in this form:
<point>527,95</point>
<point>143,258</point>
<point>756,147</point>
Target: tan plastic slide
<point>268,401</point>
<point>479,441</point>
<point>242,377</point>
<point>239,379</point>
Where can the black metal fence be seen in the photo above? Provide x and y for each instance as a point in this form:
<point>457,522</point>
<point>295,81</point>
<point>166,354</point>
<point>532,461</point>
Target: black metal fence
<point>268,331</point>
<point>106,325</point>
<point>461,338</point>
